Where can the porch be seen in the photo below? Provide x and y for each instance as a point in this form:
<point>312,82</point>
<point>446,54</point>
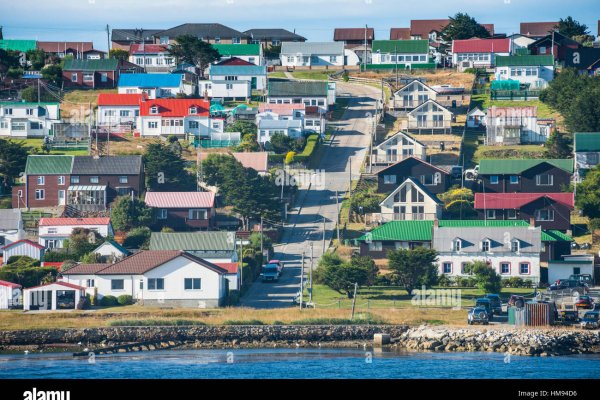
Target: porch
<point>87,198</point>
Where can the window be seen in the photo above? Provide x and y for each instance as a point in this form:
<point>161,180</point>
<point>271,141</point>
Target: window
<point>229,86</point>
<point>8,111</point>
<point>514,246</point>
<point>152,124</point>
<point>41,180</point>
<point>463,268</point>
<point>504,268</point>
<point>275,42</point>
<point>124,113</point>
<point>216,125</point>
<point>4,125</point>
<point>74,77</point>
<point>74,179</point>
<point>162,213</point>
<point>156,284</point>
<point>403,192</point>
<point>40,194</point>
<point>123,179</point>
<point>29,111</point>
<point>103,77</point>
<point>542,50</point>
<point>110,113</point>
<point>485,245</point>
<point>490,214</point>
<point>217,39</point>
<point>544,215</point>
<point>252,60</point>
<point>447,268</point>
<point>456,245</point>
<point>524,268</point>
<point>164,40</point>
<point>494,180</point>
<point>194,124</point>
<point>90,283</point>
<point>88,77</point>
<point>511,214</point>
<point>389,179</point>
<point>193,110</point>
<point>514,179</point>
<point>236,40</point>
<point>198,214</point>
<point>117,284</point>
<point>544,180</point>
<point>428,180</point>
<point>416,196</point>
<point>19,193</point>
<point>94,179</point>
<point>154,110</point>
<point>61,180</point>
<point>375,246</point>
<point>192,283</point>
<point>332,59</point>
<point>290,59</point>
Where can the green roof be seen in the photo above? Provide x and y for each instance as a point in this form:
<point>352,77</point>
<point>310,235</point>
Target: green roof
<point>526,60</point>
<point>49,165</point>
<point>555,236</point>
<point>587,141</point>
<point>476,223</point>
<point>91,65</point>
<point>508,167</point>
<point>196,241</point>
<point>237,49</point>
<point>401,46</point>
<point>17,45</point>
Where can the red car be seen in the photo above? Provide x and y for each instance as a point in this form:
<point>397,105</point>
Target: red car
<point>585,302</point>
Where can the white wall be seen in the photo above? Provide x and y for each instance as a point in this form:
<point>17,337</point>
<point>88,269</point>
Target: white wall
<point>564,270</point>
<point>457,259</point>
<point>8,294</point>
<point>261,80</point>
<point>9,126</point>
<point>543,75</point>
<point>403,59</point>
<point>111,115</point>
<point>478,59</point>
<point>45,233</point>
<point>205,126</point>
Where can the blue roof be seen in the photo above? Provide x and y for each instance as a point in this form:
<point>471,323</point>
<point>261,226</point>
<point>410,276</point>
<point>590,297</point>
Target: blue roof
<point>238,70</point>
<point>150,80</point>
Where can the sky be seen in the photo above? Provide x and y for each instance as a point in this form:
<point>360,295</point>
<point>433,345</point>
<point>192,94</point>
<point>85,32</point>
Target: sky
<point>86,20</point>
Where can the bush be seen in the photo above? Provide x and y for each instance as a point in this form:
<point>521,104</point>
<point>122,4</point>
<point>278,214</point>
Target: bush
<point>84,303</point>
<point>243,322</point>
<point>125,300</point>
<point>55,256</point>
<point>444,281</point>
<point>311,144</point>
<point>22,261</point>
<point>155,322</point>
<point>138,238</point>
<point>109,301</point>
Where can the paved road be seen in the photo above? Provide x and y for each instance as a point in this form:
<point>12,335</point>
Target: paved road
<point>305,229</point>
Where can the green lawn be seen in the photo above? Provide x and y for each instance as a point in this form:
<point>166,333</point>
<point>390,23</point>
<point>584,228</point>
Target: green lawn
<point>315,75</point>
<point>37,145</point>
<point>516,151</point>
<point>277,74</point>
<point>483,101</point>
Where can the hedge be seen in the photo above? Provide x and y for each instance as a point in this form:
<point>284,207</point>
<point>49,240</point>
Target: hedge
<point>26,277</point>
<point>109,301</point>
<point>311,144</point>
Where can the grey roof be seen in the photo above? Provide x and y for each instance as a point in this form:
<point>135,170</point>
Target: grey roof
<point>419,185</point>
<point>530,238</point>
<point>210,241</point>
<point>277,34</point>
<point>316,48</point>
<point>10,219</point>
<point>297,88</point>
<point>109,165</point>
<point>133,35</point>
<point>279,124</point>
<point>205,31</point>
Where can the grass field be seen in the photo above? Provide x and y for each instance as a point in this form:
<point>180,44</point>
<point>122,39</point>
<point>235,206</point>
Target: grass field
<point>277,74</point>
<point>516,151</point>
<point>78,102</point>
<point>483,101</point>
<point>315,75</point>
<point>36,146</point>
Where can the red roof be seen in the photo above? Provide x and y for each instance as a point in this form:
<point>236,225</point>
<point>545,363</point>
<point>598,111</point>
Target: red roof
<point>422,27</point>
<point>69,285</point>
<point>481,46</point>
<point>146,260</point>
<point>537,28</point>
<point>342,34</point>
<point>175,107</point>
<point>29,242</point>
<point>517,200</point>
<point>113,99</point>
<point>234,61</point>
<point>73,221</point>
<point>231,268</point>
<point>147,48</point>
<point>10,284</point>
<point>61,47</point>
<point>180,199</point>
<point>400,34</point>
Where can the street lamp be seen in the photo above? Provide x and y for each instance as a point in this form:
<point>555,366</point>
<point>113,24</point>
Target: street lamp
<point>241,243</point>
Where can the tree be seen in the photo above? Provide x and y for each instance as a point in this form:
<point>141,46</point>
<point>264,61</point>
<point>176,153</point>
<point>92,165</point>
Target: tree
<point>413,268</point>
<point>165,170</point>
<point>588,194</point>
<point>462,26</point>
<point>458,202</point>
<point>91,258</point>
<point>53,74</point>
<point>244,127</point>
<point>559,145</point>
<point>128,213</point>
<point>281,143</point>
<point>13,157</point>
<point>248,143</point>
<point>341,276</point>
<point>190,49</point>
<point>584,115</point>
<point>486,277</point>
<point>584,40</point>
<point>369,265</point>
<point>30,94</point>
<point>119,54</point>
<point>36,59</point>
<point>138,238</point>
<point>82,241</point>
<point>8,59</point>
<point>570,27</point>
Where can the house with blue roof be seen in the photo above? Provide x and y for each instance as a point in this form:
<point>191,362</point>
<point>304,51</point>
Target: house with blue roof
<point>255,74</point>
<point>155,86</point>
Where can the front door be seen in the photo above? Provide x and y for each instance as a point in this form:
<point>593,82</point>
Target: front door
<point>61,198</point>
<point>253,82</point>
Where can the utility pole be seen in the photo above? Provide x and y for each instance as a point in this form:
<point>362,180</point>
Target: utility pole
<point>108,39</point>
<point>354,299</point>
<point>350,175</point>
<point>337,220</point>
<point>323,235</point>
<point>261,235</point>
<point>38,87</point>
<point>311,268</point>
<point>302,280</point>
<point>396,58</point>
<point>365,53</point>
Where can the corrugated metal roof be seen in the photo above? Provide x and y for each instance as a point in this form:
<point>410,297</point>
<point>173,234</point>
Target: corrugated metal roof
<point>274,34</point>
<point>423,27</point>
<point>23,241</point>
<point>312,48</point>
<point>17,44</point>
<point>150,80</point>
<point>471,236</point>
<point>237,49</point>
<point>91,65</point>
<point>518,200</point>
<point>587,141</point>
<point>108,165</point>
<point>49,165</point>
<point>10,284</point>
<point>203,31</point>
<point>279,123</point>
<point>74,221</point>
<point>400,34</point>
<point>193,241</point>
<point>525,60</point>
<point>297,88</point>
<point>507,167</point>
<point>231,268</point>
<point>97,188</point>
<point>537,28</point>
<point>176,107</point>
<point>401,46</point>
<point>237,70</point>
<point>180,199</point>
<point>555,236</point>
<point>133,35</point>
<point>114,99</point>
<point>481,46</point>
<point>58,47</point>
<point>147,48</point>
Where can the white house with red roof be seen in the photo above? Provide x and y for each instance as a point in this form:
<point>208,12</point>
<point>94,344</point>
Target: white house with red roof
<point>178,117</point>
<point>52,297</point>
<point>52,232</point>
<point>23,247</point>
<point>118,109</point>
<point>10,295</point>
<point>183,210</point>
<point>152,57</point>
<point>472,53</point>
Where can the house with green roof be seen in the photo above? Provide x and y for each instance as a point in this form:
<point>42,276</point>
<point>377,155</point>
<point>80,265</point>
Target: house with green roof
<point>525,175</point>
<point>251,53</point>
<point>212,246</point>
<point>532,70</point>
<point>28,120</point>
<point>404,54</point>
<point>586,146</point>
<point>96,74</point>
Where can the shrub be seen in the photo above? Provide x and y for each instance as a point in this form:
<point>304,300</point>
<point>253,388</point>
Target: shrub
<point>155,322</point>
<point>125,300</point>
<point>309,149</point>
<point>55,256</point>
<point>137,238</point>
<point>109,301</point>
<point>243,322</point>
<point>84,303</point>
<point>444,281</point>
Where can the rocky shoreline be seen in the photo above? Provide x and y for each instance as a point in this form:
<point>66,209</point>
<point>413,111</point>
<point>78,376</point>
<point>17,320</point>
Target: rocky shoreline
<point>517,341</point>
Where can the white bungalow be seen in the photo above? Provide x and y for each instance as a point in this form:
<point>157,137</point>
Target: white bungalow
<point>26,120</point>
<point>10,295</point>
<point>475,118</point>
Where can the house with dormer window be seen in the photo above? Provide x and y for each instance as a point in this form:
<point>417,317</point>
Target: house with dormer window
<point>178,117</point>
<point>413,95</point>
<point>398,147</point>
<point>431,117</point>
<point>410,201</point>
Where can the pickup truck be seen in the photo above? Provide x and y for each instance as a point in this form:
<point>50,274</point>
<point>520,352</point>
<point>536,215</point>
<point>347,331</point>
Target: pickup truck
<point>269,273</point>
<point>567,311</point>
<point>279,265</point>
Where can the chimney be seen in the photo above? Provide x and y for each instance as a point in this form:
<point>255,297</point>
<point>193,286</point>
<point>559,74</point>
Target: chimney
<point>436,223</point>
<point>532,221</point>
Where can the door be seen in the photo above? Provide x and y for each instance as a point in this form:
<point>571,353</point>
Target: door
<point>61,197</point>
<point>253,82</point>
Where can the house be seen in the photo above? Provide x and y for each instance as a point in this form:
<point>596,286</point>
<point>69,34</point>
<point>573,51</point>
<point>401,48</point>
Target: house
<point>77,50</point>
<point>312,117</point>
<point>431,29</point>
<point>353,37</point>
<point>551,211</point>
<point>112,251</point>
<point>151,57</point>
<point>256,75</point>
<point>586,147</point>
<point>94,54</point>
<point>171,278</point>
<point>400,34</point>
<point>525,175</point>
<point>183,210</point>
<point>11,226</point>
<point>570,265</point>
<point>124,38</point>
<point>314,54</point>
<point>23,45</point>
<point>272,37</point>
<point>309,93</point>
<point>52,297</point>
<point>54,231</point>
<point>515,125</point>
<point>520,42</point>
<point>10,295</point>
<point>435,179</point>
<point>398,147</point>
<point>177,117</point>
<point>410,201</point>
<point>28,120</point>
<point>430,116</point>
<point>226,89</point>
<point>207,32</point>
<point>401,53</point>
<point>555,244</point>
<point>554,44</point>
<point>413,94</point>
<point>45,182</point>
<point>478,53</point>
<point>118,109</point>
<point>96,74</point>
<point>537,30</point>
<point>586,60</point>
<point>213,246</point>
<point>511,251</point>
<point>475,118</point>
<point>253,53</point>
<point>22,247</point>
<point>268,127</point>
<point>534,71</point>
<point>155,86</point>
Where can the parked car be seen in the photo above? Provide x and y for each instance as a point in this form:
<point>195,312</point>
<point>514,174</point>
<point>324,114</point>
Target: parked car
<point>471,174</point>
<point>485,303</point>
<point>567,311</point>
<point>516,301</point>
<point>478,315</point>
<point>585,278</point>
<point>269,273</point>
<point>585,302</point>
<point>279,265</point>
<point>456,171</point>
<point>496,303</point>
<point>590,320</point>
<point>570,286</point>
